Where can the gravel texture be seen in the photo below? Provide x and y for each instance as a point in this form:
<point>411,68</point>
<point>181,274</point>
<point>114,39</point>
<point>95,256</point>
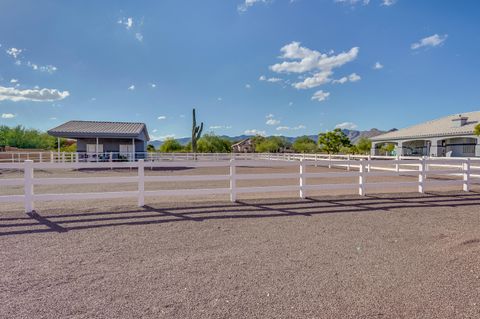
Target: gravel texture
<point>397,255</point>
<point>383,256</point>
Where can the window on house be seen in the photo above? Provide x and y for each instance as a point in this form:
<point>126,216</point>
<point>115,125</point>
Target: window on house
<point>126,149</point>
<point>92,148</point>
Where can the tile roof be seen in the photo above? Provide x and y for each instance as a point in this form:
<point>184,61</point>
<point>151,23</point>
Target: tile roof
<point>74,129</point>
<point>437,128</point>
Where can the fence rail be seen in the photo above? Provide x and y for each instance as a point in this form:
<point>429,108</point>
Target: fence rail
<point>363,169</point>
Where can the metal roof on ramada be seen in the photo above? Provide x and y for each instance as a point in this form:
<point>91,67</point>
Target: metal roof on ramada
<point>439,127</point>
<point>91,129</point>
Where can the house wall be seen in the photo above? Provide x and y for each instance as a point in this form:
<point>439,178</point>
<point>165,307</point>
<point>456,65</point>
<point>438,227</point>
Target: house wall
<point>110,144</point>
<point>460,146</point>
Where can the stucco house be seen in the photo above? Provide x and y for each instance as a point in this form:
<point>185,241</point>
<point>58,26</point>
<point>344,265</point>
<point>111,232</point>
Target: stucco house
<point>99,140</point>
<point>448,136</point>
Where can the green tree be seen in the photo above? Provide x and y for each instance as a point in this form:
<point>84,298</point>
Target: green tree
<point>150,148</point>
<point>21,137</point>
<point>477,130</point>
<point>170,145</point>
<point>272,144</point>
<point>387,148</point>
<point>304,144</point>
<point>332,141</point>
<point>364,145</point>
<point>211,143</point>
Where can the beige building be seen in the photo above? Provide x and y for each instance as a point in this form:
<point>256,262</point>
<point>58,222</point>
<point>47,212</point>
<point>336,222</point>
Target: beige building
<point>450,136</point>
<point>244,146</point>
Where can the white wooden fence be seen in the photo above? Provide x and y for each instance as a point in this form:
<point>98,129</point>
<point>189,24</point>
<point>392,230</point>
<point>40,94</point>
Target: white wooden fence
<point>362,169</point>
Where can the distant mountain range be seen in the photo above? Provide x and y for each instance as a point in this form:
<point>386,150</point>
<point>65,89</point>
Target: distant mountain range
<point>353,135</point>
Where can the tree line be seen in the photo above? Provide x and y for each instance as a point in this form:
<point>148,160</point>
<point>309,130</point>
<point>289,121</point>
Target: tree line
<point>21,137</point>
<point>330,142</point>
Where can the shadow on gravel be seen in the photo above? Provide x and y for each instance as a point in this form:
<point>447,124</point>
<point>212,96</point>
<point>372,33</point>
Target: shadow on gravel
<point>147,215</point>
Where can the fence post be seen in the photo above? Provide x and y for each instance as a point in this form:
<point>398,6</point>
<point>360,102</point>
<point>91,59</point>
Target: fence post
<point>369,160</point>
<point>51,157</point>
<point>141,182</point>
<point>361,178</point>
<point>348,164</point>
<point>421,176</point>
<point>28,185</point>
<point>302,179</point>
<point>397,166</point>
<point>466,175</point>
<point>329,160</point>
<point>233,181</point>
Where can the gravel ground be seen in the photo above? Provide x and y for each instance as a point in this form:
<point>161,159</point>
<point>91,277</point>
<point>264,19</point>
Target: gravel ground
<point>382,256</point>
<point>396,255</point>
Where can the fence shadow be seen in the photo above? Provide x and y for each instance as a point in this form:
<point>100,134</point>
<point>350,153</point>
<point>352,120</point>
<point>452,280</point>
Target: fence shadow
<point>253,209</point>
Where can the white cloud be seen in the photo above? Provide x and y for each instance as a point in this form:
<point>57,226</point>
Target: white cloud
<point>52,118</point>
<point>288,128</point>
<point>219,99</point>
<point>310,60</point>
<point>320,96</point>
<point>14,52</point>
<point>341,80</point>
<point>272,80</point>
<point>163,137</point>
<point>36,95</point>
<point>271,120</point>
<point>388,2</point>
<point>8,116</point>
<point>317,79</point>
<point>162,117</point>
<point>346,125</point>
<point>353,2</point>
<point>431,41</point>
<point>377,66</point>
<point>42,68</point>
<point>248,86</point>
<point>13,81</point>
<point>243,7</point>
<point>133,26</point>
<point>255,132</point>
<point>127,22</point>
<point>153,85</point>
<point>354,77</point>
<point>131,87</point>
<point>220,127</point>
<point>298,59</point>
<point>290,103</point>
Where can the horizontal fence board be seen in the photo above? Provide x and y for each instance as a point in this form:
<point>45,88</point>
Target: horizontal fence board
<point>266,176</point>
<point>332,174</point>
<point>12,199</point>
<point>187,192</point>
<point>330,186</point>
<point>85,180</point>
<point>184,178</point>
<point>82,196</point>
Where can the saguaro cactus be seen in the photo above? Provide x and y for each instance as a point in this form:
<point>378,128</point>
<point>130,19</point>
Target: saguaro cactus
<point>196,132</point>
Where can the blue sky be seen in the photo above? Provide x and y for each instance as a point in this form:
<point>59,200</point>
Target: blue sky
<point>289,67</point>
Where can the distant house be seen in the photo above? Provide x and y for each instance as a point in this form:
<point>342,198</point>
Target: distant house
<point>448,136</point>
<point>244,146</point>
<point>97,139</point>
